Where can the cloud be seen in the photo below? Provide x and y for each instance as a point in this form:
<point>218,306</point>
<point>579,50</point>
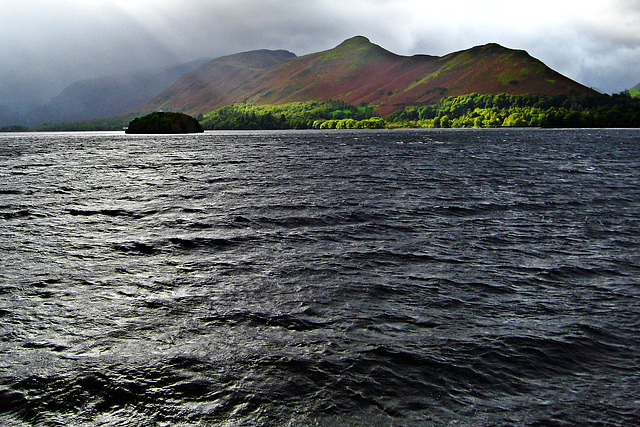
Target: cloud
<point>48,44</point>
<point>51,44</point>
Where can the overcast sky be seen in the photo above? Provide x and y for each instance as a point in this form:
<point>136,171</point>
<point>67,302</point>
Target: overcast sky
<point>47,44</point>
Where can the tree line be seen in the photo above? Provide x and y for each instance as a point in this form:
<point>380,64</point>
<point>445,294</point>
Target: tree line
<point>486,110</point>
<point>101,124</point>
<point>466,111</point>
<point>296,115</point>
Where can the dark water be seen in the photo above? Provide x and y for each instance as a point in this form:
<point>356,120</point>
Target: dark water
<point>478,277</point>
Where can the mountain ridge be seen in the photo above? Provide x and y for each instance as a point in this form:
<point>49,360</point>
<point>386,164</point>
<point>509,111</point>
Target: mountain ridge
<point>215,82</point>
<point>360,72</point>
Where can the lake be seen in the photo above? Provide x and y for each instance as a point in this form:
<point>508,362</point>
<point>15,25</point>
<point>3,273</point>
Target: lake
<point>395,277</point>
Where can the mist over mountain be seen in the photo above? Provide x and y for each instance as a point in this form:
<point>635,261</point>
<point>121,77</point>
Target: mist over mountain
<point>106,96</point>
<point>358,71</point>
<point>9,116</point>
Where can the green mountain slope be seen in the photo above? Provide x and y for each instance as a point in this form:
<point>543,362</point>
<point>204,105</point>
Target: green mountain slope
<point>217,83</point>
<point>358,71</point>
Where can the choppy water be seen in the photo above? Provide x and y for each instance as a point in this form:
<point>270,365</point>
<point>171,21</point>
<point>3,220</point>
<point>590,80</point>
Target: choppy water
<point>478,277</point>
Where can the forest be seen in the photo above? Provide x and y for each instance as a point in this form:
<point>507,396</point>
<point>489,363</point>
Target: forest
<point>296,115</point>
<point>505,110</point>
<point>101,124</point>
<point>466,111</point>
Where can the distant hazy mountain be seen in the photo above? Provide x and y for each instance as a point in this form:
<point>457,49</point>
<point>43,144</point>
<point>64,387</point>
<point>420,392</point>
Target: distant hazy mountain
<point>108,96</point>
<point>358,71</point>
<point>8,116</point>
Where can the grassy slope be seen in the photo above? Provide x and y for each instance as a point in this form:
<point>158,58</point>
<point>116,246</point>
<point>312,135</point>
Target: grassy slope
<point>634,92</point>
<point>358,71</point>
<point>216,84</point>
<point>485,69</point>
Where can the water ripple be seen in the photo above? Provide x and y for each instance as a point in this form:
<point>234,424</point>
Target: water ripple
<point>472,277</point>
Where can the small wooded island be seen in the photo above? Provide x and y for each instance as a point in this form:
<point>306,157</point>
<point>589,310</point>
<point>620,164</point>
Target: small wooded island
<point>161,122</point>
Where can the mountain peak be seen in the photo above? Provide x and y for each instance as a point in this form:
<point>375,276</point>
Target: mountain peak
<point>355,41</point>
<point>359,47</point>
<point>493,46</point>
<point>490,48</point>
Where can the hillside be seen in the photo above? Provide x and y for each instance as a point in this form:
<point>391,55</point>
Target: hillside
<point>220,82</point>
<point>358,71</point>
<point>635,91</point>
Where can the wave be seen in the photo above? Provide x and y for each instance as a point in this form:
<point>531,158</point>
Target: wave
<point>287,321</point>
<point>111,212</point>
<point>173,244</point>
<point>23,213</point>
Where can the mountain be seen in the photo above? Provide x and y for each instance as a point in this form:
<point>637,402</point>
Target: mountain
<point>108,96</point>
<point>8,116</point>
<point>635,91</point>
<point>358,71</point>
<point>220,82</point>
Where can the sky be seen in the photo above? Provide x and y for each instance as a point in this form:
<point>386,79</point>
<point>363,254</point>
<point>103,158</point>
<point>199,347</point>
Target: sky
<point>45,45</point>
